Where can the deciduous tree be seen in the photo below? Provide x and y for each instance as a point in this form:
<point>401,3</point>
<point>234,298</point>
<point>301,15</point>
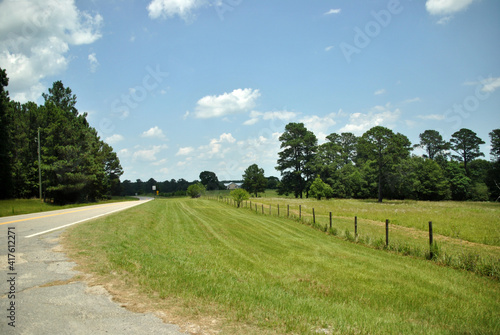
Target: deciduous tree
<point>320,189</point>
<point>210,180</point>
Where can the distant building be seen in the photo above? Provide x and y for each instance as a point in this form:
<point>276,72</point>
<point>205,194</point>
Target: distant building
<point>233,186</point>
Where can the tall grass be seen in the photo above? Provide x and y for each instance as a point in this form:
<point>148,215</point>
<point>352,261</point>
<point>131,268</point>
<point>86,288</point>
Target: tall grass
<point>276,276</point>
<point>477,222</point>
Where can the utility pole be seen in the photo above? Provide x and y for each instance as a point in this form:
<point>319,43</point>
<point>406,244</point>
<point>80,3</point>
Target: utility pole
<point>39,166</point>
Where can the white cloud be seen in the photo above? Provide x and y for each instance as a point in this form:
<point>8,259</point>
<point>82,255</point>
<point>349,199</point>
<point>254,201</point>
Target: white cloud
<point>410,123</point>
<point>445,7</point>
<point>94,63</point>
<point>333,11</point>
<point>124,153</point>
<point>262,150</point>
<point>227,137</point>
<point>251,121</point>
<point>378,116</point>
<point>215,147</point>
<point>154,132</point>
<point>444,20</point>
<point>160,162</point>
<point>437,117</point>
<point>148,155</point>
<point>330,47</point>
<point>274,115</point>
<point>279,115</point>
<point>319,125</point>
<point>379,92</point>
<point>184,151</point>
<point>238,101</point>
<point>164,171</point>
<point>409,101</point>
<point>35,36</point>
<point>490,84</point>
<point>170,8</point>
<point>114,139</point>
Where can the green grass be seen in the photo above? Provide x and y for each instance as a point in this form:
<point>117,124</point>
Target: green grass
<point>408,233</point>
<point>262,274</point>
<point>27,206</point>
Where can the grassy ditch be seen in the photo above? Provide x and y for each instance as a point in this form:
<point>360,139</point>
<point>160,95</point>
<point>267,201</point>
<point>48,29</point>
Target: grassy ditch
<point>255,274</point>
<point>405,236</point>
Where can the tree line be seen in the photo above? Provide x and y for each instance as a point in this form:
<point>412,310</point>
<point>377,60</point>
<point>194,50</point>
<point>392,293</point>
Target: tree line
<point>208,179</point>
<point>76,165</point>
<point>380,164</point>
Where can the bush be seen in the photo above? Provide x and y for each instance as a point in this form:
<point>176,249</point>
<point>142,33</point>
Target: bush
<point>319,189</point>
<point>479,192</point>
<point>239,195</point>
<point>196,190</point>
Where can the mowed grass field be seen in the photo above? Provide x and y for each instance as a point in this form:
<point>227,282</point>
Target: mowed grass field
<point>247,273</point>
<point>477,222</point>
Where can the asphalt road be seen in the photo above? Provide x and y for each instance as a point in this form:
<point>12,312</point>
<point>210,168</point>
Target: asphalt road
<point>30,305</point>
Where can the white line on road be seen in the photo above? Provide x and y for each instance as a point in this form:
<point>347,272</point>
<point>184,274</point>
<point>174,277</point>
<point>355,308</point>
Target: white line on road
<point>73,223</point>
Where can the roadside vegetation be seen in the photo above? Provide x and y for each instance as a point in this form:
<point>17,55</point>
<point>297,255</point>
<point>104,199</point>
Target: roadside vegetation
<point>465,234</point>
<point>68,156</point>
<point>230,269</point>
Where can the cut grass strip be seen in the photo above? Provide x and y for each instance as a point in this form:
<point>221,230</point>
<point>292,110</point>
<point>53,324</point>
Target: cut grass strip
<point>276,276</point>
<point>475,257</point>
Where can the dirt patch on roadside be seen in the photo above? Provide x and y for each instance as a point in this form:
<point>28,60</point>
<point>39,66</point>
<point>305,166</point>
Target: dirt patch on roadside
<point>129,295</point>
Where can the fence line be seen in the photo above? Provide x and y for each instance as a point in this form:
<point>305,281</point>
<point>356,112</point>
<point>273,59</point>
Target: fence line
<point>303,215</point>
<point>470,262</point>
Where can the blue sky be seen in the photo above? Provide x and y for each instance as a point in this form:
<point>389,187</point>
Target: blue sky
<point>182,86</point>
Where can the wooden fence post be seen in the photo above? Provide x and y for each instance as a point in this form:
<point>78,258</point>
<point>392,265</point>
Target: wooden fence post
<point>278,210</point>
<point>430,239</point>
<point>262,208</point>
<point>330,220</point>
<point>356,226</point>
<point>387,232</point>
<point>300,212</point>
<point>314,217</point>
<point>287,211</point>
<point>269,209</point>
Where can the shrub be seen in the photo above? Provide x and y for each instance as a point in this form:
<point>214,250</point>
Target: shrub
<point>320,189</point>
<point>196,190</point>
<point>239,195</point>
